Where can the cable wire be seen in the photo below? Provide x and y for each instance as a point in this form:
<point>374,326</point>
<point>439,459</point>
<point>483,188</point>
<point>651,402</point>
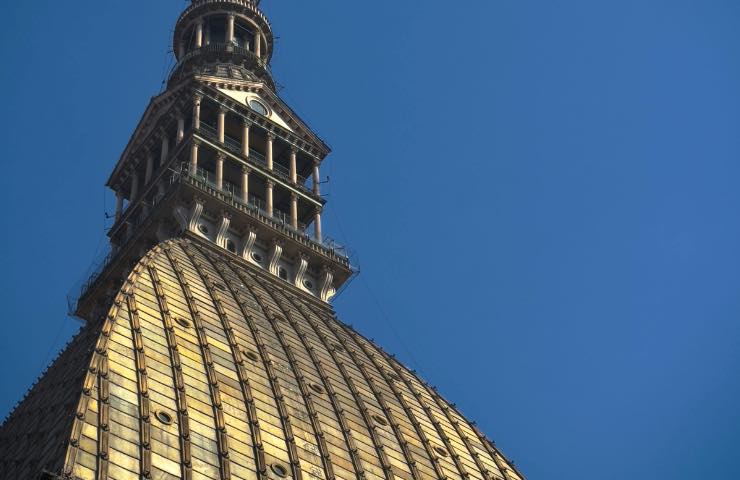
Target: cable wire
<point>384,316</point>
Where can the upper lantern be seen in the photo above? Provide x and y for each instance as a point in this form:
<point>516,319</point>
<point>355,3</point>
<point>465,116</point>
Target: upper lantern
<point>211,32</point>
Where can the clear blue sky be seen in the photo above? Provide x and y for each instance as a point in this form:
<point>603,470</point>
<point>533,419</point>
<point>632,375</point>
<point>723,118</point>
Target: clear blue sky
<point>545,198</point>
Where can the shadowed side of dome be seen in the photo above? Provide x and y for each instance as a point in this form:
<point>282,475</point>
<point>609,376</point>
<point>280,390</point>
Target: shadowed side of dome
<point>206,367</point>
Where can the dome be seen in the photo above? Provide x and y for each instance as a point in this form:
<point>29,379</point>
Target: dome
<point>208,368</point>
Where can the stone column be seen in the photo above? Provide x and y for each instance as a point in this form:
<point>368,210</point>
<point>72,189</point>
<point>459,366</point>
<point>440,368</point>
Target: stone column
<point>196,113</point>
<point>316,178</point>
<point>245,138</point>
<point>268,197</point>
<point>165,149</point>
<point>180,129</point>
<point>220,170</point>
<point>230,30</point>
<point>149,168</point>
<point>245,184</point>
<point>294,165</point>
<point>194,156</point>
<point>268,153</point>
<point>294,211</point>
<point>199,33</point>
<point>317,226</point>
<point>134,187</point>
<point>119,204</point>
<point>222,124</point>
<point>258,44</point>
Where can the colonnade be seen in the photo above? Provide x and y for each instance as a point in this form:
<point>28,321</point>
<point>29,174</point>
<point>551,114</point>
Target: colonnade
<point>202,36</point>
<point>246,171</point>
<point>220,160</point>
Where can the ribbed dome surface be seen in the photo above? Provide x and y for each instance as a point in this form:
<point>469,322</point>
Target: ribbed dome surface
<point>206,368</point>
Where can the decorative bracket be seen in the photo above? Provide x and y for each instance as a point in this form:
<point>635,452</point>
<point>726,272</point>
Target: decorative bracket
<point>277,251</point>
<point>248,242</point>
<point>195,214</point>
<point>223,229</point>
<point>327,284</point>
<point>301,271</point>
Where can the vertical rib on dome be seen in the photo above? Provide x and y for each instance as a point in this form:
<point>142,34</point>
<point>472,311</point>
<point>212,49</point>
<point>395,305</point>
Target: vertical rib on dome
<point>209,368</point>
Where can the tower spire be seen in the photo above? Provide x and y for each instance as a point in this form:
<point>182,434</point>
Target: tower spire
<point>211,351</point>
<point>233,32</point>
<point>220,157</point>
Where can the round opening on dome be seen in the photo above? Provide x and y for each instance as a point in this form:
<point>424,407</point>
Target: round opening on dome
<point>203,229</point>
<point>380,420</point>
<point>231,246</point>
<point>317,388</point>
<point>258,107</point>
<point>394,377</point>
<point>440,451</point>
<point>164,417</point>
<point>251,356</point>
<point>279,470</point>
<point>308,284</point>
<point>257,257</point>
<point>183,322</point>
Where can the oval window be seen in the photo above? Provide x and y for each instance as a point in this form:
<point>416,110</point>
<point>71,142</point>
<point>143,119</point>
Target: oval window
<point>279,470</point>
<point>231,246</point>
<point>316,388</point>
<point>440,451</point>
<point>257,257</point>
<point>308,284</point>
<point>250,355</point>
<point>183,323</point>
<point>380,420</point>
<point>203,229</point>
<point>258,107</point>
<point>164,417</point>
<point>394,377</point>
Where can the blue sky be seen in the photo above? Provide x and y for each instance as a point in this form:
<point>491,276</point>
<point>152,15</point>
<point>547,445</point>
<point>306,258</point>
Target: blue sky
<point>543,196</point>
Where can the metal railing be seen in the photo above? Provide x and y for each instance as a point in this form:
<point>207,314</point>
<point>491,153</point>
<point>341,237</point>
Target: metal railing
<point>90,277</point>
<point>234,192</point>
<point>235,146</point>
<point>209,129</point>
<point>255,204</point>
<point>220,48</point>
<point>203,179</point>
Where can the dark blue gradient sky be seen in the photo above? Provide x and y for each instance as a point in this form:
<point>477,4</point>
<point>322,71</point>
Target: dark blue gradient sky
<point>545,198</point>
